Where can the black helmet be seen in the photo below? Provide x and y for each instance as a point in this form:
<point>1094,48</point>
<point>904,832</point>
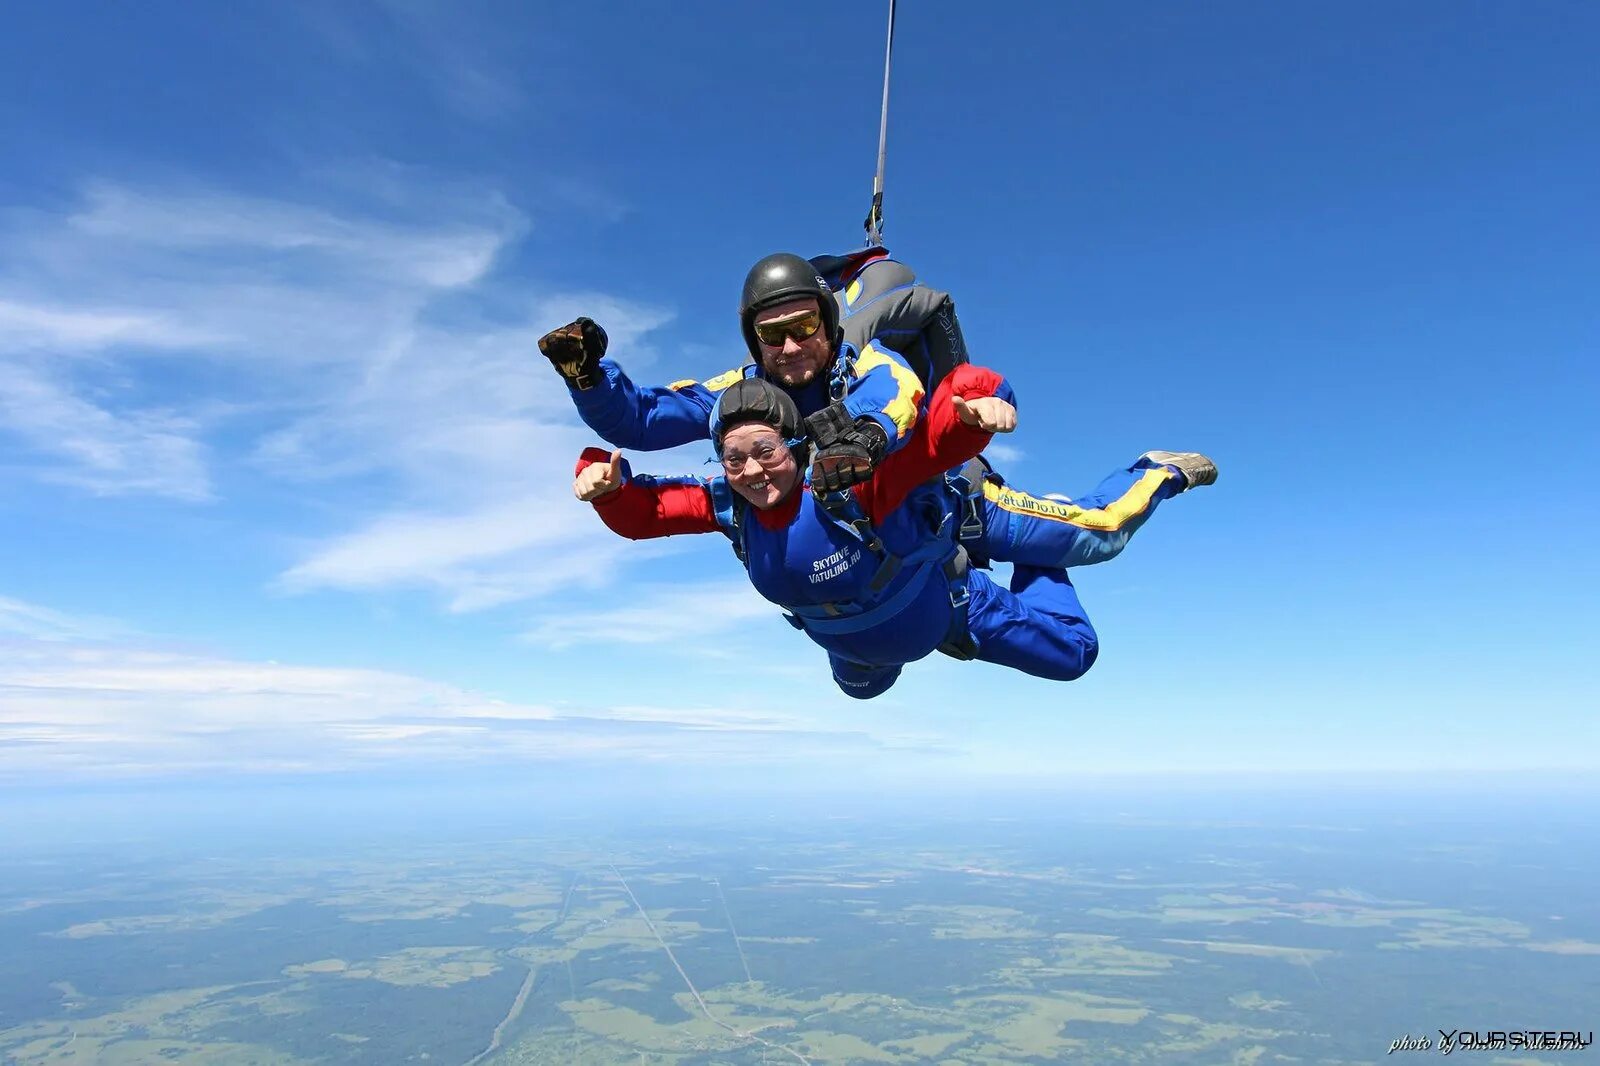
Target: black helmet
<point>754,400</point>
<point>779,277</point>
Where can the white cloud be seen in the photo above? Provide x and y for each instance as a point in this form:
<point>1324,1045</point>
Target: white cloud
<point>656,614</point>
<point>458,53</point>
<point>202,276</point>
<point>497,554</point>
<point>19,618</point>
<point>41,326</point>
<point>1004,453</point>
<point>398,546</point>
<point>76,711</point>
<point>140,451</point>
<point>321,330</point>
<point>432,256</point>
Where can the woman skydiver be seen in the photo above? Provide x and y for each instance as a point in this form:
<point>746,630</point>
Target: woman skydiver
<point>875,573</point>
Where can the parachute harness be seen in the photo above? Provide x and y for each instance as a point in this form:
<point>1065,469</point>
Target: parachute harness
<point>944,550</point>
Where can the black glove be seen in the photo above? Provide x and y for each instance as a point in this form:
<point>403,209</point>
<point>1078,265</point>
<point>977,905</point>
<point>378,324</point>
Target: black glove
<point>575,350</point>
<point>847,451</point>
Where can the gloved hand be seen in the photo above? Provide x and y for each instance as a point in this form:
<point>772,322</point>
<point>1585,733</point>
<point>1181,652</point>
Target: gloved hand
<point>847,450</point>
<point>575,350</point>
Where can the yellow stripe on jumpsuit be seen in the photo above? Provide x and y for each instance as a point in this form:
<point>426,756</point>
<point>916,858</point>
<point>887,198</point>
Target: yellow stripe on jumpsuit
<point>1094,527</point>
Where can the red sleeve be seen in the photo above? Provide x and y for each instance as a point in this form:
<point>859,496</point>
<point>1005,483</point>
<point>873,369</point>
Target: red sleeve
<point>939,442</point>
<point>640,510</point>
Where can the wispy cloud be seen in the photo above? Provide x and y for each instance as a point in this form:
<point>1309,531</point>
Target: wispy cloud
<point>1004,453</point>
<point>450,255</point>
<point>368,341</point>
<point>25,326</point>
<point>22,619</point>
<point>138,451</point>
<point>467,61</point>
<point>74,710</point>
<point>657,614</point>
<point>482,558</point>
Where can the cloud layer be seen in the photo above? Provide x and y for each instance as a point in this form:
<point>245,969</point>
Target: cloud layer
<point>74,708</point>
<point>154,338</point>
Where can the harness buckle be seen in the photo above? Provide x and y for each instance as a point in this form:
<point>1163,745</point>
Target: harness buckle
<point>972,524</point>
<point>955,572</point>
<point>959,596</point>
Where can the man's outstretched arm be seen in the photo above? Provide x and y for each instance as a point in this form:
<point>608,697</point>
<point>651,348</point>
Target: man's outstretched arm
<point>647,418</point>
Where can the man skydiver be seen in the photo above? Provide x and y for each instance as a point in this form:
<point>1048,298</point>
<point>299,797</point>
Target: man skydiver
<point>873,574</point>
<point>800,346</point>
<point>858,406</point>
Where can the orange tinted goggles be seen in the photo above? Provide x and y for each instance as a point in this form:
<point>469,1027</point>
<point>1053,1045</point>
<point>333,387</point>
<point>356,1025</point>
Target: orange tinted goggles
<point>800,327</point>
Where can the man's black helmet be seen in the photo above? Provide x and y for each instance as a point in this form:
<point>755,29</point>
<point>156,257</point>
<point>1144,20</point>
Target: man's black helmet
<point>779,277</point>
<point>754,400</point>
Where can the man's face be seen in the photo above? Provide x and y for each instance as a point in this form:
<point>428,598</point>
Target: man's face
<point>759,465</point>
<point>791,362</point>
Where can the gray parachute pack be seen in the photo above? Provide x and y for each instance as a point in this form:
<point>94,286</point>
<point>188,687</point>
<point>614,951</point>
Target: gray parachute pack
<point>879,298</point>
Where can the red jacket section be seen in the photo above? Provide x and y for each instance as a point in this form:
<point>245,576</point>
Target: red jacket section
<point>640,512</point>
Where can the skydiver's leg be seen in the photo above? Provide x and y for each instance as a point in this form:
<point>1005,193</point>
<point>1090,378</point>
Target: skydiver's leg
<point>1037,627</point>
<point>1039,531</point>
<point>860,680</point>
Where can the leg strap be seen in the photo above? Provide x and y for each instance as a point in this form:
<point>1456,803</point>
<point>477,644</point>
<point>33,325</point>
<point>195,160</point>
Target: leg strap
<point>958,643</point>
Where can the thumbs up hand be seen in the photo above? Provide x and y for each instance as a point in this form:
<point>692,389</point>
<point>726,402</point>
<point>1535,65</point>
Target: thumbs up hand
<point>597,479</point>
<point>988,413</point>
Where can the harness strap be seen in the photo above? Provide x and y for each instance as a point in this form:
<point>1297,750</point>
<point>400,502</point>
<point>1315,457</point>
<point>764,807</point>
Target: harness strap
<point>845,509</point>
<point>968,485</point>
<point>728,515</point>
<point>826,618</point>
<point>958,643</point>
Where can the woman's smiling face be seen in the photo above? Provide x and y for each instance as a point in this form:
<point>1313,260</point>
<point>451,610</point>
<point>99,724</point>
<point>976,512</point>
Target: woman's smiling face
<point>759,465</point>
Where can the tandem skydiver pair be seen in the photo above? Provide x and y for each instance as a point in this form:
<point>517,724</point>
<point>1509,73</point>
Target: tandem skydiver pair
<point>855,502</point>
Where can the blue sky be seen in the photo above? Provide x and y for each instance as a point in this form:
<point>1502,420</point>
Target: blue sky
<point>284,483</point>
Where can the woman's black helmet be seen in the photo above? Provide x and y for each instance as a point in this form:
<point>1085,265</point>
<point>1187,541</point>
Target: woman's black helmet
<point>779,277</point>
<point>754,400</point>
